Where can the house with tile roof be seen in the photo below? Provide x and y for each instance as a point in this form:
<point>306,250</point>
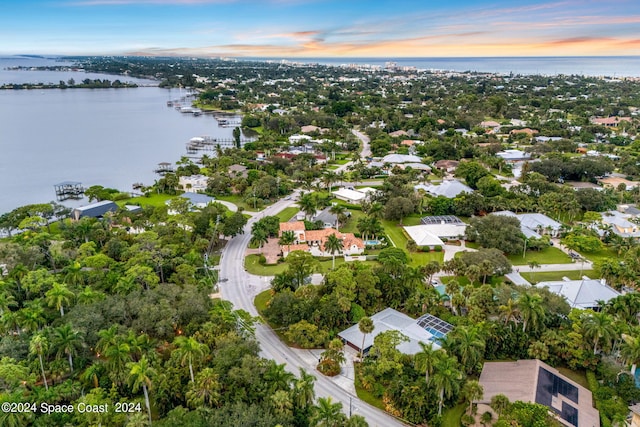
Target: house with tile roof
<point>313,241</point>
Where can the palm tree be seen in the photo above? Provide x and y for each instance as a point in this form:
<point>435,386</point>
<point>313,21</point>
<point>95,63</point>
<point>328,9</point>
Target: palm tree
<point>259,237</point>
<point>118,355</point>
<point>141,375</point>
<point>67,341</point>
<point>472,390</point>
<point>366,326</point>
<point>31,318</point>
<point>500,403</point>
<point>39,345</point>
<point>188,349</point>
<point>7,300</point>
<point>287,238</point>
<point>205,391</point>
<point>531,309</point>
<point>333,245</point>
<point>327,413</point>
<point>426,359</point>
<point>630,350</point>
<point>308,204</point>
<point>59,296</point>
<point>446,379</point>
<point>329,178</point>
<point>599,327</point>
<point>509,311</point>
<point>467,344</point>
<point>339,212</point>
<point>430,269</point>
<point>303,390</point>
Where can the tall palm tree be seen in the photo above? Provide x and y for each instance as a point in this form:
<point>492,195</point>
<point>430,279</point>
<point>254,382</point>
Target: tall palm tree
<point>287,238</point>
<point>446,379</point>
<point>533,265</point>
<point>39,345</point>
<point>205,391</point>
<point>339,212</point>
<point>259,237</point>
<point>599,327</point>
<point>472,390</point>
<point>426,359</point>
<point>630,350</point>
<point>366,326</point>
<point>189,349</point>
<point>333,245</point>
<point>67,341</point>
<point>308,204</point>
<point>509,311</point>
<point>141,374</point>
<point>303,390</point>
<point>58,296</point>
<point>430,269</point>
<point>531,309</point>
<point>327,414</point>
<point>467,344</point>
<point>118,355</point>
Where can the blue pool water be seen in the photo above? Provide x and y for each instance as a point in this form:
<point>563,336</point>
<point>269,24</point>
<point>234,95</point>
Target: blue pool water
<point>371,242</point>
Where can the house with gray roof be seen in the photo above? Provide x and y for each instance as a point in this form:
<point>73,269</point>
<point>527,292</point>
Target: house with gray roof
<point>534,225</point>
<point>447,188</point>
<point>426,329</point>
<point>585,293</point>
<point>94,210</point>
<point>619,224</point>
<point>513,155</point>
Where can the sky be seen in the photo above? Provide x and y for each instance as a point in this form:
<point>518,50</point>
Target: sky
<point>321,28</point>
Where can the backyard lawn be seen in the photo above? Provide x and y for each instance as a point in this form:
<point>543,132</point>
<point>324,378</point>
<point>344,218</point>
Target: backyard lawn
<point>287,213</point>
<point>155,200</point>
<point>422,258</point>
<point>549,255</point>
<point>601,255</point>
<point>451,416</point>
<point>252,265</point>
<point>545,276</point>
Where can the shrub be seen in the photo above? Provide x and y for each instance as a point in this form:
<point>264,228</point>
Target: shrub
<point>329,367</point>
<point>437,248</point>
<point>262,260</point>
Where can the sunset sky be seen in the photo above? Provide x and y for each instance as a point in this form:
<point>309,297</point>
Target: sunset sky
<point>321,28</point>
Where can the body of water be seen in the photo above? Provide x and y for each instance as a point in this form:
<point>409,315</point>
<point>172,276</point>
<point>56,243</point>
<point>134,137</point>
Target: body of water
<point>613,66</point>
<point>109,137</point>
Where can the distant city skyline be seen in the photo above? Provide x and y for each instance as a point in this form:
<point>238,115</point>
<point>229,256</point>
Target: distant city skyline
<point>315,28</point>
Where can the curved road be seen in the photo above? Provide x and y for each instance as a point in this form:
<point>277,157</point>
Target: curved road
<point>241,287</point>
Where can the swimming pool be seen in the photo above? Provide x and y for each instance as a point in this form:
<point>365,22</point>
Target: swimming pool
<point>372,242</point>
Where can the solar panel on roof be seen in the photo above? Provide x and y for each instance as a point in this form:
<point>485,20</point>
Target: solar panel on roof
<point>439,219</point>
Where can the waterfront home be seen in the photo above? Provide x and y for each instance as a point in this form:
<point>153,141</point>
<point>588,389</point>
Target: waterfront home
<point>193,183</point>
<point>94,210</point>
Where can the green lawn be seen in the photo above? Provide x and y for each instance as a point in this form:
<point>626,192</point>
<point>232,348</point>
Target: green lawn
<point>548,255</point>
<point>261,300</point>
<point>601,255</point>
<point>237,200</point>
<point>252,266</point>
<point>395,233</point>
<point>422,258</point>
<point>352,223</point>
<point>545,276</point>
<point>287,213</point>
<point>451,416</point>
<point>154,200</point>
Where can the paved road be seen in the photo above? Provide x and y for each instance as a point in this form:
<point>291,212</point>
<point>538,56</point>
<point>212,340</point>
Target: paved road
<point>241,287</point>
<point>366,148</point>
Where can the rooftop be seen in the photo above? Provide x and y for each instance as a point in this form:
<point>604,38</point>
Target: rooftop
<point>448,188</point>
<point>584,293</point>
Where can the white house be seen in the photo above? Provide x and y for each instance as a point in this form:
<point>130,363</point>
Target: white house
<point>350,196</point>
<point>584,293</point>
<point>447,188</point>
<point>193,183</point>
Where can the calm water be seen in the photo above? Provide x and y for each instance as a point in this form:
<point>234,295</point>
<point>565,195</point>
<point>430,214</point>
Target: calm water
<point>109,137</point>
<point>618,66</point>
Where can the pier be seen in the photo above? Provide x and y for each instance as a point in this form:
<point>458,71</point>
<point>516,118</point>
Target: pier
<point>69,190</point>
<point>207,143</point>
<point>163,168</point>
